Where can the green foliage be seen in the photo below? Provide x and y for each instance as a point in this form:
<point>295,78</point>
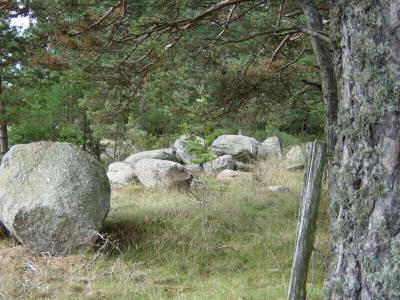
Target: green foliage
<point>200,151</point>
<point>50,110</point>
<point>150,93</point>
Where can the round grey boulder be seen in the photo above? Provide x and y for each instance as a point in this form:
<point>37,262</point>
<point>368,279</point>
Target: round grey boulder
<point>161,154</point>
<point>120,174</point>
<point>242,148</point>
<point>163,173</point>
<point>53,197</point>
<point>271,146</point>
<point>215,166</point>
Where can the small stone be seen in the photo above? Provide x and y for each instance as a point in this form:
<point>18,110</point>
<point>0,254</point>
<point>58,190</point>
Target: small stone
<point>278,189</point>
<point>229,175</point>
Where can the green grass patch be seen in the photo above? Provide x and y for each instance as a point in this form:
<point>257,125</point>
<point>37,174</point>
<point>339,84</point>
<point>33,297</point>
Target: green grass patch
<point>228,241</point>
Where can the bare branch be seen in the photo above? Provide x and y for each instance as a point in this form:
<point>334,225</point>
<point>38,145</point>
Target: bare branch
<point>213,9</point>
<point>293,61</point>
<point>283,31</point>
<point>99,21</point>
<point>227,21</point>
<point>278,24</point>
<point>278,49</point>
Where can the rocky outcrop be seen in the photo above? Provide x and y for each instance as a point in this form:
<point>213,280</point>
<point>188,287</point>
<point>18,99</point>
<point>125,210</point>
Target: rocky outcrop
<point>270,147</point>
<point>160,154</point>
<point>120,174</point>
<point>242,148</point>
<point>156,172</point>
<point>53,197</point>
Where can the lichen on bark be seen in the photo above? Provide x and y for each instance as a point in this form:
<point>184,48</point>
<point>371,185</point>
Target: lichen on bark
<point>365,198</point>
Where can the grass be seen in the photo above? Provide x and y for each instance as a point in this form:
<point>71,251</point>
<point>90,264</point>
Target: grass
<point>226,241</point>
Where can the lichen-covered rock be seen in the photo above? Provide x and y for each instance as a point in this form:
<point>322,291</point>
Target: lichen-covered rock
<point>242,148</point>
<point>182,150</point>
<point>156,172</point>
<point>215,166</point>
<point>296,154</point>
<point>230,175</point>
<point>121,173</point>
<point>161,154</point>
<point>53,197</point>
<point>271,146</point>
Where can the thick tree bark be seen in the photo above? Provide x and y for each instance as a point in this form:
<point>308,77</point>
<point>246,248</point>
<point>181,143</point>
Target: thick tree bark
<point>3,137</point>
<point>3,126</point>
<point>365,203</point>
<point>328,78</point>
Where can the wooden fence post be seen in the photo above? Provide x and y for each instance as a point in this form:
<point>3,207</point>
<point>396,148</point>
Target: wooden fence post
<point>308,213</point>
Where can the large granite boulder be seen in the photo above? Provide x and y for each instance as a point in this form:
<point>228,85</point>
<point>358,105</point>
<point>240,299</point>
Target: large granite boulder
<point>242,148</point>
<point>160,154</point>
<point>296,154</point>
<point>215,166</point>
<point>121,173</point>
<point>53,197</point>
<point>271,146</point>
<point>181,146</point>
<point>156,172</point>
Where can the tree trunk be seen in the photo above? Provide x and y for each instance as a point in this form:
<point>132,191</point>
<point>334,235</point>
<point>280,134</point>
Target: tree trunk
<point>3,126</point>
<point>327,72</point>
<point>365,196</point>
<point>4,137</point>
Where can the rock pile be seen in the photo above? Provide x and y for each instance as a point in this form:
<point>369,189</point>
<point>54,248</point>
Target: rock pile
<point>173,166</point>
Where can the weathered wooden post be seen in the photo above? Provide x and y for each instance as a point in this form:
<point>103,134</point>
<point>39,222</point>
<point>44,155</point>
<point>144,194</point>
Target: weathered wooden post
<point>310,199</point>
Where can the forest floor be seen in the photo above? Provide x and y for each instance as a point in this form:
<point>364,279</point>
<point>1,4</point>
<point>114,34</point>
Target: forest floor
<point>227,241</point>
